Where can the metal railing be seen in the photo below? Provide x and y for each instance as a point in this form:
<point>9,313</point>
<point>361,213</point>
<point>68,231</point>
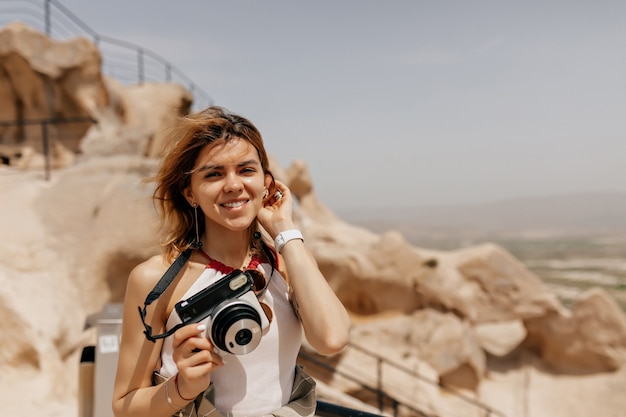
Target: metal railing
<point>383,395</point>
<point>45,136</point>
<point>124,61</point>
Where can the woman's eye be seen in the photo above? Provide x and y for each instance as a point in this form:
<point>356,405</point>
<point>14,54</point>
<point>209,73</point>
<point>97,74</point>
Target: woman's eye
<point>212,174</point>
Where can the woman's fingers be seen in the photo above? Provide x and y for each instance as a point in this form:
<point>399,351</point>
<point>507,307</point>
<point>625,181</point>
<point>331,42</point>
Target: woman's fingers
<point>192,347</point>
<point>195,357</point>
<point>185,333</point>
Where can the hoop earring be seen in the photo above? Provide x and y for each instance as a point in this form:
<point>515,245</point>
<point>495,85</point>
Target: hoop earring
<point>197,243</point>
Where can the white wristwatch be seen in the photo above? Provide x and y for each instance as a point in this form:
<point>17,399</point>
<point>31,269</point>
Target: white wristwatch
<point>285,237</point>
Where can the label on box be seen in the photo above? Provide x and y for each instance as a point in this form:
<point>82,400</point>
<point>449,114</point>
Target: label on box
<point>108,343</point>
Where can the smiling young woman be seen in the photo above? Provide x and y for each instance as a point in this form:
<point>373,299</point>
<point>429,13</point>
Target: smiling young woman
<point>216,195</point>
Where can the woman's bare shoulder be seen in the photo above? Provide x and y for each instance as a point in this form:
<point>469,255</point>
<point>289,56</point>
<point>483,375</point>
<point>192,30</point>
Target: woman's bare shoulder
<point>146,274</point>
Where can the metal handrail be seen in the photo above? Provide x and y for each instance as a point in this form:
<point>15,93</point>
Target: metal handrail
<point>56,21</point>
<point>44,123</point>
<point>382,394</point>
<point>382,360</point>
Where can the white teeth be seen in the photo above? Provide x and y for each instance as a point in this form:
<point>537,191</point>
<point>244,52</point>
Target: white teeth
<point>234,204</point>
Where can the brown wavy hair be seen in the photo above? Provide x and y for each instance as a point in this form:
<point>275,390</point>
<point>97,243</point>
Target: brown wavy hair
<point>187,138</point>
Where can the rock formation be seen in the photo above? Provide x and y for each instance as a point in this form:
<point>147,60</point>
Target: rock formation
<point>67,246</point>
<point>87,112</point>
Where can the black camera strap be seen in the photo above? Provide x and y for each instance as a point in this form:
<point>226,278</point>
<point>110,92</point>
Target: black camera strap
<point>160,287</point>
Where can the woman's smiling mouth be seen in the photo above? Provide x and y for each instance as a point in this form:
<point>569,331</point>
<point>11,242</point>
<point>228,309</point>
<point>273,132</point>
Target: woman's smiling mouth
<point>234,204</point>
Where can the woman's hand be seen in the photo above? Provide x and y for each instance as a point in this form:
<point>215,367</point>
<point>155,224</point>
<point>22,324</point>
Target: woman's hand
<point>326,329</point>
<point>195,358</point>
<point>276,214</point>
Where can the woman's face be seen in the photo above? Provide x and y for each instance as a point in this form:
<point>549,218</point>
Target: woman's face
<point>228,183</point>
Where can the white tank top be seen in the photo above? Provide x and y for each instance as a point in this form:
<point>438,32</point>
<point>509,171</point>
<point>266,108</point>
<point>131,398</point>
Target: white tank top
<point>261,381</point>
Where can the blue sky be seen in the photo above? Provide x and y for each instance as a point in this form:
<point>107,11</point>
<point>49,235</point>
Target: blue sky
<point>407,103</point>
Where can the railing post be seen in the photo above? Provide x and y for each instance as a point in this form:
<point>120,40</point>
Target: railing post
<point>379,383</point>
<point>46,149</point>
<point>140,63</point>
<point>168,73</point>
<point>47,17</point>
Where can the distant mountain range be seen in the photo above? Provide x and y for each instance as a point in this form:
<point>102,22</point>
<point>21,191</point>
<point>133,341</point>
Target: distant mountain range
<point>585,214</point>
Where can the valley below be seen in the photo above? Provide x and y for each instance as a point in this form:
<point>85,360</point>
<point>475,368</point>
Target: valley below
<point>572,242</point>
<point>569,265</point>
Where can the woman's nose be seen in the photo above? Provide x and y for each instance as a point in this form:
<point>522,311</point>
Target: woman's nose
<point>232,183</point>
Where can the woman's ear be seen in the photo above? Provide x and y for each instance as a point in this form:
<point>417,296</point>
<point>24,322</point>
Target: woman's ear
<point>189,196</point>
<point>270,183</point>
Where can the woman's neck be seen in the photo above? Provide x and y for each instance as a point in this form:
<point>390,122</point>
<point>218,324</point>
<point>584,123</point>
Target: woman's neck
<point>232,249</point>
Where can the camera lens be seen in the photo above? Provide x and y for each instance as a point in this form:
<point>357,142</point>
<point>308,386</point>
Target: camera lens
<point>236,328</point>
<point>243,337</point>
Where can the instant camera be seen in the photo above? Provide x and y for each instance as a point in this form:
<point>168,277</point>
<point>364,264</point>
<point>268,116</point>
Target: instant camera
<point>234,317</point>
